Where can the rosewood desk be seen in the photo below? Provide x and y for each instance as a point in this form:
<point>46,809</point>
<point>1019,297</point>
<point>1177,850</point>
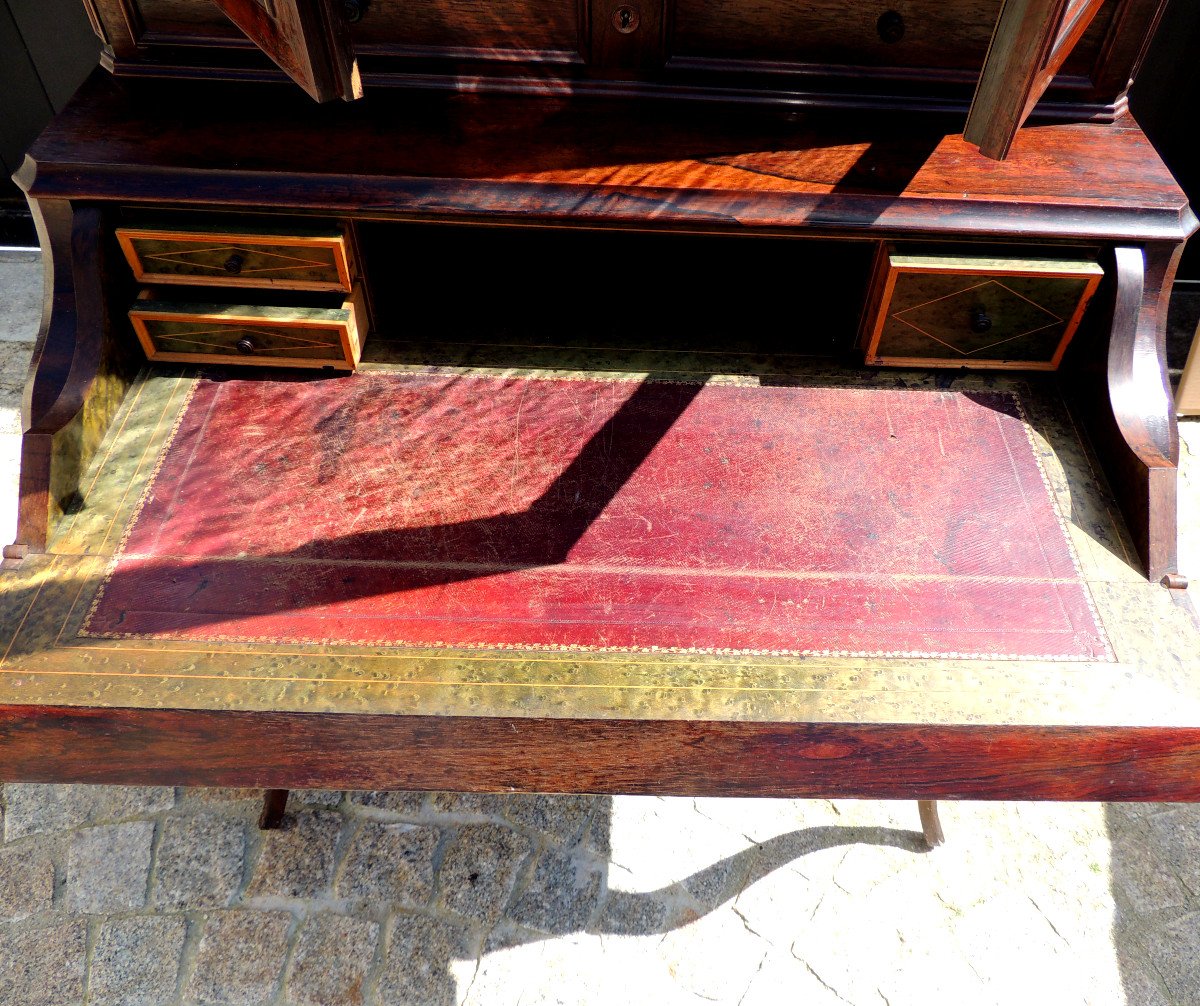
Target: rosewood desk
<point>727,253</point>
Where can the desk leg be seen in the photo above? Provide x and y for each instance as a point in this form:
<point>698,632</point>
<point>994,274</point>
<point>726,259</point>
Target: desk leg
<point>274,806</point>
<point>931,824</point>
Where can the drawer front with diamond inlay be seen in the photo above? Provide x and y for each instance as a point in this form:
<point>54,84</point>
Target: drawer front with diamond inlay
<point>1003,313</point>
<point>319,260</point>
<point>272,336</point>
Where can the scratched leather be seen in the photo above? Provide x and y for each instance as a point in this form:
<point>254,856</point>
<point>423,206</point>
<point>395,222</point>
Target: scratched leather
<point>491,511</point>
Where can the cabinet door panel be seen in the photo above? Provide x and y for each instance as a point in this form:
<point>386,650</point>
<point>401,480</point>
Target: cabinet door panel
<point>307,39</point>
<point>1031,41</point>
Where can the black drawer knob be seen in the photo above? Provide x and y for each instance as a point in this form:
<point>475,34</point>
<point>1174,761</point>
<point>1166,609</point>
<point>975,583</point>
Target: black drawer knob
<point>980,321</point>
<point>234,264</point>
<point>353,10</point>
<point>245,346</point>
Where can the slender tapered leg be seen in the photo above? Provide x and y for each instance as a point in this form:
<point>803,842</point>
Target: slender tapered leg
<point>274,806</point>
<point>931,824</point>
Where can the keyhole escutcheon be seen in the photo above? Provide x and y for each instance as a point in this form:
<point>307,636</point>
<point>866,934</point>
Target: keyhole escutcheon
<point>626,19</point>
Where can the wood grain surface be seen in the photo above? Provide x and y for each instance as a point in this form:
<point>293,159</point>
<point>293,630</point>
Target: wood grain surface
<point>307,39</point>
<point>819,53</point>
<point>563,755</point>
<point>522,160</point>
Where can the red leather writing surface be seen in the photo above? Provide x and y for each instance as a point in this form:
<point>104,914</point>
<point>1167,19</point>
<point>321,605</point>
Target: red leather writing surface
<point>478,511</point>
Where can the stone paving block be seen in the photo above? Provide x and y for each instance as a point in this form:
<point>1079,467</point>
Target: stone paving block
<point>1172,951</point>
<point>597,835</point>
<point>34,808</point>
<point>420,952</point>
<point>470,804</point>
<point>1147,883</point>
<point>26,882</point>
<point>314,798</point>
<point>1141,989</point>
<point>479,869</point>
<point>21,303</point>
<point>390,864</point>
<point>575,971</point>
<point>505,935</point>
<point>297,860</point>
<point>716,958</point>
<point>1031,963</point>
<point>559,818</point>
<point>397,801</point>
<point>113,803</point>
<point>579,971</point>
<point>42,966</point>
<point>108,867</point>
<point>628,913</point>
<point>220,794</point>
<point>1175,842</point>
<point>199,862</point>
<point>758,819</point>
<point>701,856</point>
<point>333,955</point>
<point>720,881</point>
<point>870,856</point>
<point>135,961</point>
<point>562,895</point>
<point>781,978</point>
<point>14,364</point>
<point>1126,817</point>
<point>239,960</point>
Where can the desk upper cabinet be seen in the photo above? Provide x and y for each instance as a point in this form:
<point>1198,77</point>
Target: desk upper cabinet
<point>1073,59</point>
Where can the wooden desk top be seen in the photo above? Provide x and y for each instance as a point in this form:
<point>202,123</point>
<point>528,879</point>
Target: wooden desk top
<point>589,162</point>
<point>294,715</point>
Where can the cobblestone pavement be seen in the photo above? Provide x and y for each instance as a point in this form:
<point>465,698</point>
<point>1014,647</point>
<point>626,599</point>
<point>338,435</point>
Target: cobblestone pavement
<point>114,895</point>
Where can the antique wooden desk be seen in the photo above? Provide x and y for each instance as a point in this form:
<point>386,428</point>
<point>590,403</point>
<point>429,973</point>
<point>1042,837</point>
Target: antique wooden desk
<point>573,225</point>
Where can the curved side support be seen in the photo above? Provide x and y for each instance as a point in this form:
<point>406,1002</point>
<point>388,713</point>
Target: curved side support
<point>1139,388</point>
<point>1133,424</point>
<point>73,386</point>
<point>64,235</point>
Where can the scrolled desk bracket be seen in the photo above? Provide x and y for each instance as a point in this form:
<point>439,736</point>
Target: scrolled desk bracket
<point>1143,474</point>
<point>78,375</point>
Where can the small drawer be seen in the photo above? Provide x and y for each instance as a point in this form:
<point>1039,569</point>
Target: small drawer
<point>257,335</point>
<point>999,313</point>
<point>317,260</point>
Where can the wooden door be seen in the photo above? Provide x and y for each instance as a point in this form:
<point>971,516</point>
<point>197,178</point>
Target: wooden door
<point>1030,43</point>
<point>307,39</point>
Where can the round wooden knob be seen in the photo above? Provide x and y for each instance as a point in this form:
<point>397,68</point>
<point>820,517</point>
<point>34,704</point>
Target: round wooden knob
<point>234,264</point>
<point>245,346</point>
<point>980,321</point>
